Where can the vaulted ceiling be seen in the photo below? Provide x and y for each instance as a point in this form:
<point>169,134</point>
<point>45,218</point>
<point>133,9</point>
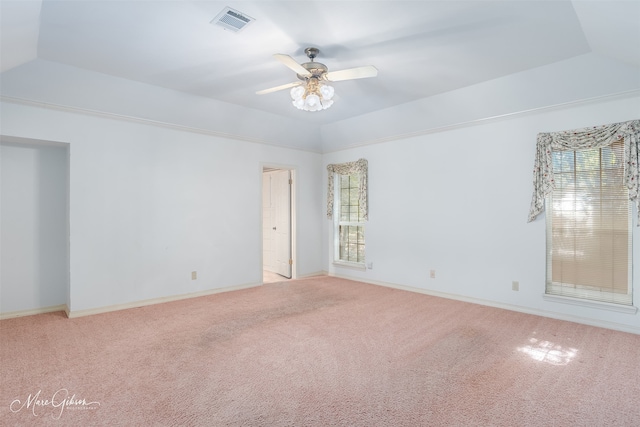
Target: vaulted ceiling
<point>420,48</point>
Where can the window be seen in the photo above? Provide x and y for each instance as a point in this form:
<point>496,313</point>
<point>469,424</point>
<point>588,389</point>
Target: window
<point>348,206</point>
<point>589,226</point>
<point>349,220</point>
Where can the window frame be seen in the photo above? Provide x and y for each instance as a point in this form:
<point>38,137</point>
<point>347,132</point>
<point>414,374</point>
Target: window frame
<point>585,295</point>
<point>337,223</point>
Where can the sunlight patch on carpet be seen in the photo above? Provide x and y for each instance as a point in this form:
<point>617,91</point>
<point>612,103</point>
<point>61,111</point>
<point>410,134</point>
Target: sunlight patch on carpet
<point>548,352</point>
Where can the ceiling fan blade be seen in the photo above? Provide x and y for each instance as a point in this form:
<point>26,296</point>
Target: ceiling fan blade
<point>291,63</point>
<point>277,88</point>
<point>352,73</point>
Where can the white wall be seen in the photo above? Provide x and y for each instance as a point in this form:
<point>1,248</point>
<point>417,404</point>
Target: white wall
<point>34,226</point>
<point>149,205</point>
<point>457,201</point>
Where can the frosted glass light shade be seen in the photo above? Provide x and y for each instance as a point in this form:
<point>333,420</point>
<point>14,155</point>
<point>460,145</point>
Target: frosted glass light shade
<point>327,91</point>
<point>313,95</point>
<point>312,100</point>
<point>297,92</point>
<point>327,104</point>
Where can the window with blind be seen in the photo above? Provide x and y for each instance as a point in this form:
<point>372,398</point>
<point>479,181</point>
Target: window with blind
<point>349,222</point>
<point>589,226</point>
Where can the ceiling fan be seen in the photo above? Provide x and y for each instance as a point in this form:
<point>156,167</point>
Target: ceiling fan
<point>312,92</point>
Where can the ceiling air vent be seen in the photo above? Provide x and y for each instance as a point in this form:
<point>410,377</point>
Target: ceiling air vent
<point>231,19</point>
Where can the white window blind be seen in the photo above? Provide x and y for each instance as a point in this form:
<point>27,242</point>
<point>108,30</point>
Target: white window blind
<point>351,247</point>
<point>589,226</point>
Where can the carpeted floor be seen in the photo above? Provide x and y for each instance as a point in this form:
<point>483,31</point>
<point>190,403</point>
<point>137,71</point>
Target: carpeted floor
<point>316,352</point>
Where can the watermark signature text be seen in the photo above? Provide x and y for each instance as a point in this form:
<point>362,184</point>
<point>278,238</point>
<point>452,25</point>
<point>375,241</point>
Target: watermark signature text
<point>59,401</point>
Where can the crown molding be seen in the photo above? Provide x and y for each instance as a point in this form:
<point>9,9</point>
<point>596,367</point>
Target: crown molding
<point>395,137</point>
<point>150,122</point>
<point>491,119</point>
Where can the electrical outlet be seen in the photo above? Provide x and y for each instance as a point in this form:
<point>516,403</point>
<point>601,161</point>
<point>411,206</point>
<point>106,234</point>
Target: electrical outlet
<point>194,275</point>
<point>370,265</point>
<point>515,285</point>
<point>432,274</point>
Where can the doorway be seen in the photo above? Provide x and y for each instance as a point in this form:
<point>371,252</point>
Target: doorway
<point>35,225</point>
<point>277,224</point>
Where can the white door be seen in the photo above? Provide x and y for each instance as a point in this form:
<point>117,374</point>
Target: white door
<point>276,222</point>
<point>281,194</point>
<point>268,222</point>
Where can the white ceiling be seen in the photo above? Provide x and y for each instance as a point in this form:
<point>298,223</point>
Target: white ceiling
<point>421,48</point>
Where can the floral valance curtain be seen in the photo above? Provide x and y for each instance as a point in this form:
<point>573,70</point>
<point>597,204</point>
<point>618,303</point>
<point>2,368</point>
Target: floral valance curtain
<point>593,137</point>
<point>360,167</point>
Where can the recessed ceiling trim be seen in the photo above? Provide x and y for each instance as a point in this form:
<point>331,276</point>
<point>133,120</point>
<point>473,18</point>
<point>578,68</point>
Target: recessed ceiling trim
<point>231,19</point>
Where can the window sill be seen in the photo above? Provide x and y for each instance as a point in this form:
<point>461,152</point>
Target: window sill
<point>352,265</point>
<point>627,309</point>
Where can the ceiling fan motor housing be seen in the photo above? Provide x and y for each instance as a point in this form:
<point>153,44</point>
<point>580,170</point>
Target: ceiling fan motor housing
<point>315,68</point>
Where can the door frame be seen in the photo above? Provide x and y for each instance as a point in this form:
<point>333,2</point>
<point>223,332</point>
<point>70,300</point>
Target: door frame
<point>294,209</point>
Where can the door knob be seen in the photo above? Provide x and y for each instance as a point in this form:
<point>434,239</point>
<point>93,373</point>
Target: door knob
<point>274,228</point>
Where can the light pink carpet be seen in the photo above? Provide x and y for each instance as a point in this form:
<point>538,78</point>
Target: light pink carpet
<point>316,352</point>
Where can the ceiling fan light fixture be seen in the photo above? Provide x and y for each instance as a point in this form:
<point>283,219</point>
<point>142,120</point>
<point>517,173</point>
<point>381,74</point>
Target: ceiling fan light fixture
<point>313,95</point>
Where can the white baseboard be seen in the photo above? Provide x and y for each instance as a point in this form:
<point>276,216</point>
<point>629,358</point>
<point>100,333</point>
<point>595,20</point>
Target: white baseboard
<point>88,312</point>
<point>319,273</point>
<point>543,313</point>
<point>143,303</point>
<point>550,314</point>
<point>22,313</point>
